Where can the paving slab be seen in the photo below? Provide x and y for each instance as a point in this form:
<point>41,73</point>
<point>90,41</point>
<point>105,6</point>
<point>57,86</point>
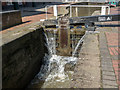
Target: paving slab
<point>87,72</point>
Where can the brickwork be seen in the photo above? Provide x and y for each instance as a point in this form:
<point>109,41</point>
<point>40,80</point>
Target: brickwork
<point>110,50</point>
<point>108,75</point>
<point>112,39</point>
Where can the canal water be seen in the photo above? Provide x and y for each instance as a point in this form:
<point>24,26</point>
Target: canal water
<point>57,71</point>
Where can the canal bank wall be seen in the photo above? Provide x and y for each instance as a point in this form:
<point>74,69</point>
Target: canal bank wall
<point>22,56</point>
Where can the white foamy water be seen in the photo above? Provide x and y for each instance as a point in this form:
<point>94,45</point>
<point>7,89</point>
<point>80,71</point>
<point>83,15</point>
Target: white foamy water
<point>59,72</point>
<point>53,69</point>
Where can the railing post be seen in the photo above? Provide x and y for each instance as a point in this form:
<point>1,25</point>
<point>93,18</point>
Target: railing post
<point>103,10</point>
<point>76,11</point>
<point>108,10</point>
<point>55,11</point>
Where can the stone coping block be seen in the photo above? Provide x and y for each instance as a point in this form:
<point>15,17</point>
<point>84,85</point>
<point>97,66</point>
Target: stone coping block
<point>11,18</point>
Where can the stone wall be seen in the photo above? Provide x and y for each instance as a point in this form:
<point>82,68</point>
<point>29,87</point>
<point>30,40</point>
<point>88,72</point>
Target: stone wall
<point>11,18</point>
<point>22,57</point>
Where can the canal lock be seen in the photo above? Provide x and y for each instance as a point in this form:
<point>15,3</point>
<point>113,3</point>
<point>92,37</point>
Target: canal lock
<point>64,42</point>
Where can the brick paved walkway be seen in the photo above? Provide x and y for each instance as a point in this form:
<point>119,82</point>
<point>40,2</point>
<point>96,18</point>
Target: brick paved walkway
<point>113,46</point>
<point>108,75</point>
<point>114,49</point>
<point>110,51</point>
<point>32,17</point>
<point>115,10</point>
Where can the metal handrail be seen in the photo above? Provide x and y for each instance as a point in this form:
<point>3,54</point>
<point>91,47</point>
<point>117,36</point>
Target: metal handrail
<point>77,6</point>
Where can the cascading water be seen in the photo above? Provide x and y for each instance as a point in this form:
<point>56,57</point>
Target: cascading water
<point>55,69</point>
<point>78,44</point>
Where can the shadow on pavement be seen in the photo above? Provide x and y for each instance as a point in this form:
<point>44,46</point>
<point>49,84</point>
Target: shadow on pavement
<point>32,12</point>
